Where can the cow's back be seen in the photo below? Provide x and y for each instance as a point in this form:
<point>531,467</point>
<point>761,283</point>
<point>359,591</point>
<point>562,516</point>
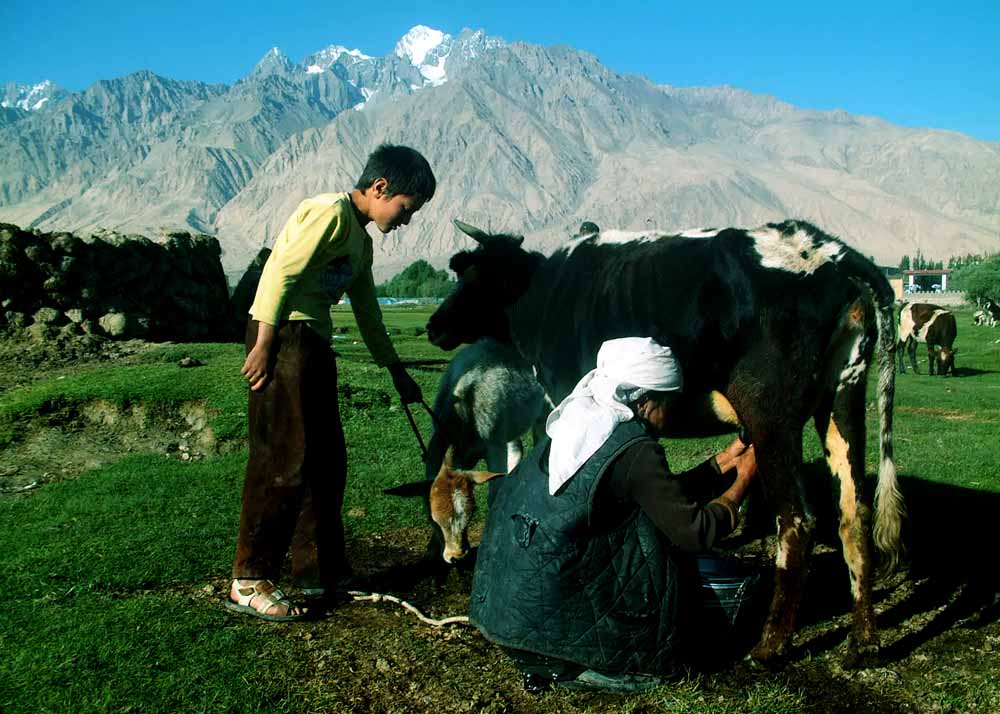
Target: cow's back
<point>709,299</point>
<point>921,320</point>
<point>941,330</point>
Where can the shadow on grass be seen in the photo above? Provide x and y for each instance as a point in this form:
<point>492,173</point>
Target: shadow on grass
<point>948,531</point>
<point>951,579</point>
<point>972,371</point>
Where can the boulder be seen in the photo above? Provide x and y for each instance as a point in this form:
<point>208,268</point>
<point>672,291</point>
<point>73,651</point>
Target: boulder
<point>48,316</point>
<point>114,324</point>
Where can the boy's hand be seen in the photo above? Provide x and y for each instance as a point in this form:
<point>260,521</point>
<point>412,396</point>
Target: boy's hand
<point>409,390</point>
<point>257,367</point>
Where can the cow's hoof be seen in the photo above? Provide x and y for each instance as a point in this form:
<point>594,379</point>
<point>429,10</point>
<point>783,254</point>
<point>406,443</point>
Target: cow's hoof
<point>770,658</point>
<point>860,656</point>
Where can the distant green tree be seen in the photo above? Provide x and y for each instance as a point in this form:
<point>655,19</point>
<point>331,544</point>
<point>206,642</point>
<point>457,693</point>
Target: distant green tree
<point>419,279</point>
<point>904,263</point>
<point>981,279</point>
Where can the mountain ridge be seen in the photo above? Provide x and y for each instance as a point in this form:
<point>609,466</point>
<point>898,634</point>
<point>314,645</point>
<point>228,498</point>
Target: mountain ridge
<point>522,138</point>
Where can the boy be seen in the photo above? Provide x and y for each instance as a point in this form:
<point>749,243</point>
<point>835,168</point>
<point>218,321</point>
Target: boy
<point>297,470</point>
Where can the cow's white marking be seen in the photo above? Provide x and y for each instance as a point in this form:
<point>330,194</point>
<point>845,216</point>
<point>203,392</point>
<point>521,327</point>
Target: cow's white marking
<point>921,334</point>
<point>618,237</point>
<point>797,253</point>
<point>612,237</point>
<point>906,323</point>
<point>700,233</point>
<point>908,328</point>
<point>793,530</point>
<point>856,367</point>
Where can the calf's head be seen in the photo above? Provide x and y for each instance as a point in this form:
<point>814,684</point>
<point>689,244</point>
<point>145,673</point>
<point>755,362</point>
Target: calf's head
<point>453,505</point>
<point>490,279</point>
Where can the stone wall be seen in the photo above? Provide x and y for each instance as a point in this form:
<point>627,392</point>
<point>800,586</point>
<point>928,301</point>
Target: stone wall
<point>113,285</point>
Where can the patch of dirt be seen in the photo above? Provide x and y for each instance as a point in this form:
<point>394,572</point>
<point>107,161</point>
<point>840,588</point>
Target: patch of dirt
<point>26,360</point>
<point>73,439</point>
<point>376,657</point>
<point>949,414</point>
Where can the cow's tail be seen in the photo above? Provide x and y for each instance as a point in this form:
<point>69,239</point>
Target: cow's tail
<point>889,508</point>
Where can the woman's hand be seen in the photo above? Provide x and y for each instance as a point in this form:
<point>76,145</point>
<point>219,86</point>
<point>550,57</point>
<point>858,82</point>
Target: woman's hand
<point>746,464</point>
<point>727,459</point>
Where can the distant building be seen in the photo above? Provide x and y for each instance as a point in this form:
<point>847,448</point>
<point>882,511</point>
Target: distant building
<point>926,280</point>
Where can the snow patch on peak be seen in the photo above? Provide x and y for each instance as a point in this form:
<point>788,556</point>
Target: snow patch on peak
<point>434,74</point>
<point>416,44</point>
<point>327,57</point>
<point>29,97</point>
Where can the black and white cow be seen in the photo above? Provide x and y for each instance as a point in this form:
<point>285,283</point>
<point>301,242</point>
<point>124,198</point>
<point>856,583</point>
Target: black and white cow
<point>988,314</point>
<point>772,326</point>
<point>931,325</point>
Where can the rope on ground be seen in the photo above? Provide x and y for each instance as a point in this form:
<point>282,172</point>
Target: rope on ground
<point>379,597</point>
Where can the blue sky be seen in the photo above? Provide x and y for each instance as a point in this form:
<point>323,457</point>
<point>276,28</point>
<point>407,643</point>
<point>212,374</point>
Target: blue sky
<point>925,64</point>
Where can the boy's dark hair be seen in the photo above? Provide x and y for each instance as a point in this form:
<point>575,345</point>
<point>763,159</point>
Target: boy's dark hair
<point>405,169</point>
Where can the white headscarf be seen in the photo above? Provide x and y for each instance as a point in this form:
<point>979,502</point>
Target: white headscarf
<point>626,369</point>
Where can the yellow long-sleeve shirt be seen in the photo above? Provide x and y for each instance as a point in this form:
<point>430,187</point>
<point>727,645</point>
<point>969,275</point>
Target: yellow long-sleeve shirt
<point>321,253</point>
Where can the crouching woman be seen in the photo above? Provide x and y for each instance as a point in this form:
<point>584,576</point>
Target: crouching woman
<point>578,575</point>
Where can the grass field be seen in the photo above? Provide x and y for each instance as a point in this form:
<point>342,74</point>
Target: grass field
<point>119,495</point>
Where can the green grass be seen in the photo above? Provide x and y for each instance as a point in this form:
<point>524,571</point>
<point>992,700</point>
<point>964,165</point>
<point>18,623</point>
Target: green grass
<point>102,575</point>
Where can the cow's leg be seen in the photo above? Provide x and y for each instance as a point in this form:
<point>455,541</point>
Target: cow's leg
<point>515,452</point>
<point>911,350</point>
<point>931,359</point>
<point>901,358</point>
<point>843,436</point>
<point>497,457</point>
<point>779,458</point>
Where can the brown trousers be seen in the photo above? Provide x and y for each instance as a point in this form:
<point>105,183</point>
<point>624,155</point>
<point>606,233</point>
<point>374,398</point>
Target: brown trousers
<point>297,471</point>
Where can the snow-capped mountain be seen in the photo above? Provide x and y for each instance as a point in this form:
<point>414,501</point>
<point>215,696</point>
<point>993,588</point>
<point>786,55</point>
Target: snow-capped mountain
<point>30,97</point>
<point>423,57</point>
<point>427,50</point>
<point>522,138</point>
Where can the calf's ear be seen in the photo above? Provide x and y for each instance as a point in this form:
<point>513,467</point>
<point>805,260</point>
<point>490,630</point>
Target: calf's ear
<point>410,490</point>
<point>482,476</point>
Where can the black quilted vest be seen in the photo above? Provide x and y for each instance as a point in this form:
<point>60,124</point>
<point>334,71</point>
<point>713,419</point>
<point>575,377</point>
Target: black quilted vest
<point>551,580</point>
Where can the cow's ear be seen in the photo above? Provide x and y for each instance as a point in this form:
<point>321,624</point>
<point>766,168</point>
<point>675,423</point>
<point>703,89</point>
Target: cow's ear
<point>482,476</point>
<point>460,261</point>
<point>518,240</point>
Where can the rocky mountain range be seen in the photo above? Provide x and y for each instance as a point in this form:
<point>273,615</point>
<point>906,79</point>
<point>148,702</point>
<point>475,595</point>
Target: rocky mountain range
<point>522,138</point>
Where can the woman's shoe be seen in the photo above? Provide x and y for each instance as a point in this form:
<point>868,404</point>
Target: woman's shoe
<point>591,680</point>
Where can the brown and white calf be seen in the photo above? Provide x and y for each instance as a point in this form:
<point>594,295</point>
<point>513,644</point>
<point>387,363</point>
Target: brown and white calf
<point>933,326</point>
<point>487,399</point>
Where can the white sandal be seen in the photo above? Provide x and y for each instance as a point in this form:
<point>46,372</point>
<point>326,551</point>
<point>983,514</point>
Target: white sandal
<point>251,595</point>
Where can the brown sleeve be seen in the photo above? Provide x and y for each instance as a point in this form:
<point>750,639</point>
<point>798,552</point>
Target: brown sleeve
<point>641,475</point>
